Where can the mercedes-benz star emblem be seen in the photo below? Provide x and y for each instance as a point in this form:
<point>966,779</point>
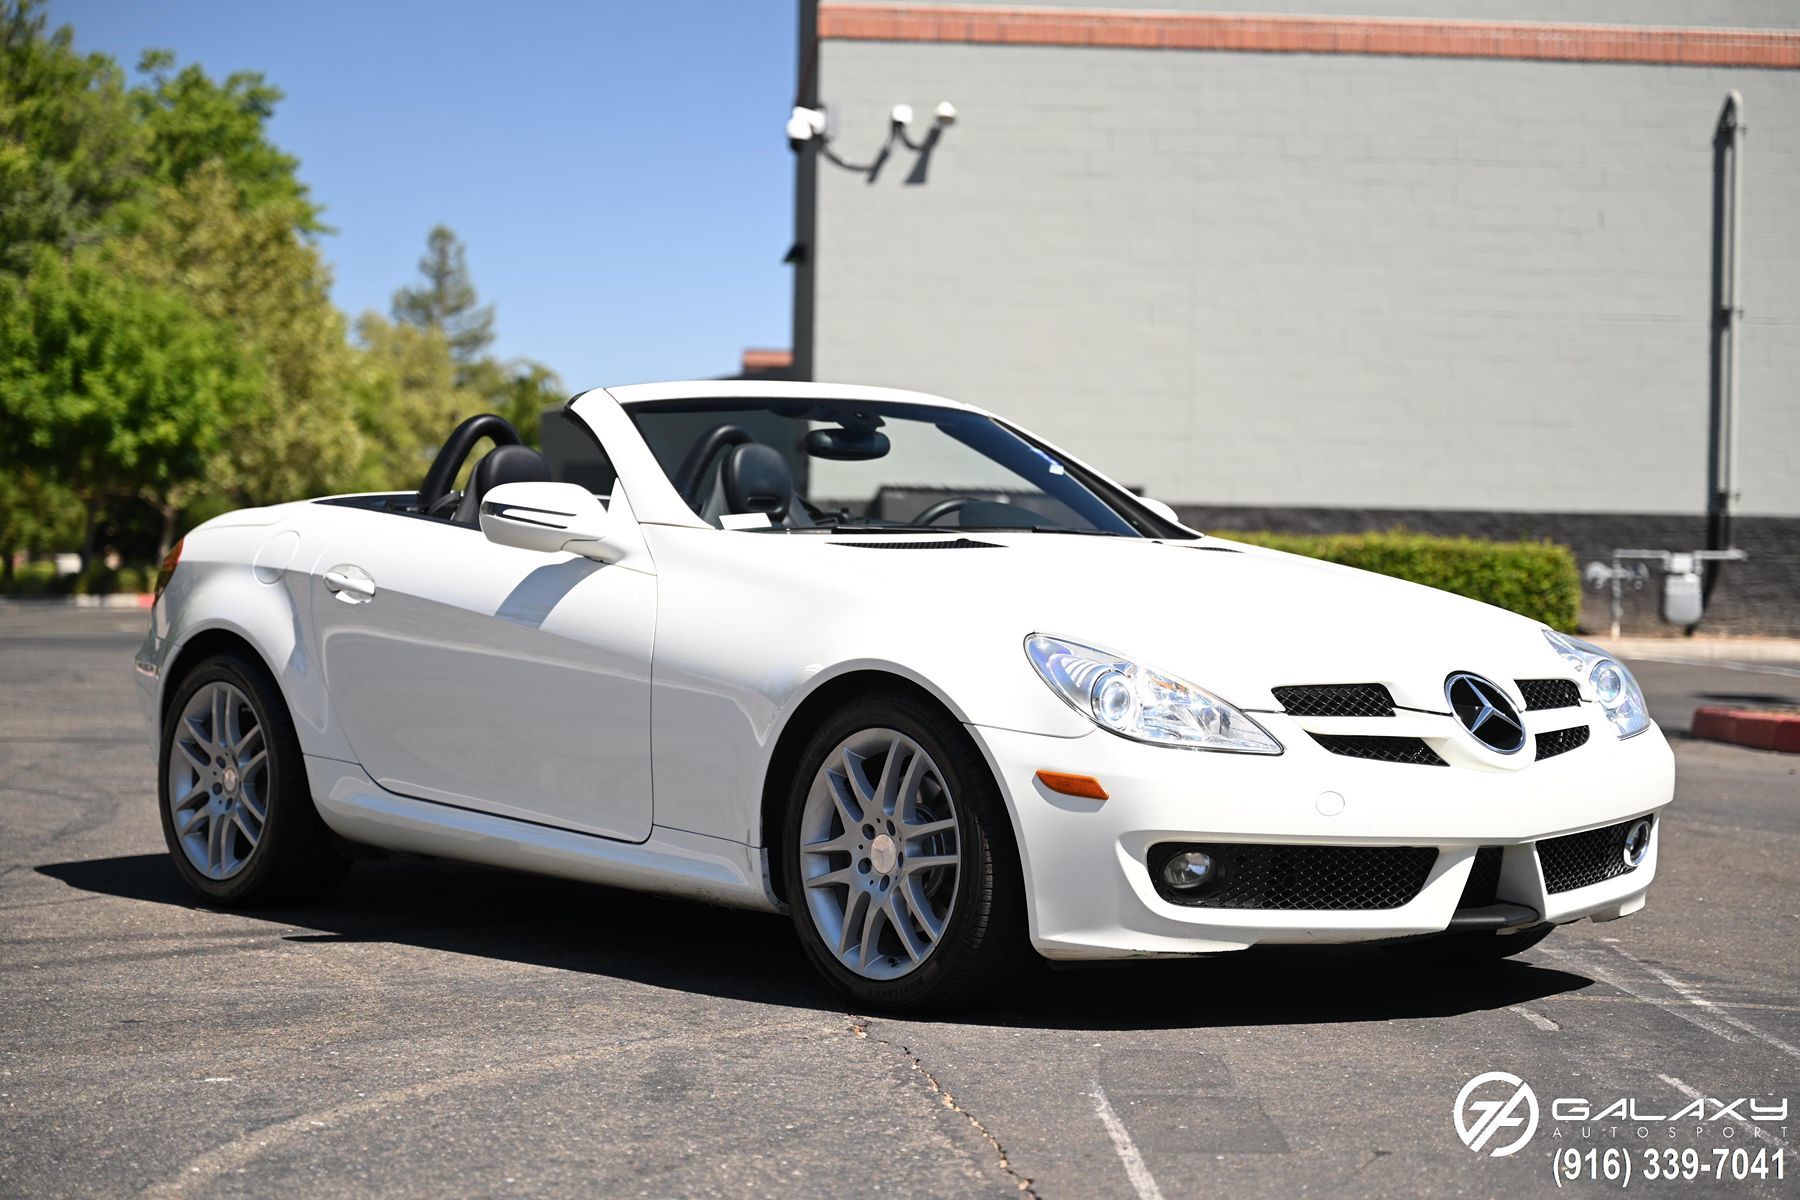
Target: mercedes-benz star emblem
<point>1485,712</point>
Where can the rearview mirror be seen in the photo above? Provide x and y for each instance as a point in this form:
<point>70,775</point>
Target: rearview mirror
<point>846,445</point>
<point>547,517</point>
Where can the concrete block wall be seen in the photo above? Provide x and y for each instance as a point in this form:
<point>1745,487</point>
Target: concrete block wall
<point>1327,281</point>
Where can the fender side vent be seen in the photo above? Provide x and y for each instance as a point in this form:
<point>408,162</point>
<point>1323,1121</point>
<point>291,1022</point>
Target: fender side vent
<point>953,544</point>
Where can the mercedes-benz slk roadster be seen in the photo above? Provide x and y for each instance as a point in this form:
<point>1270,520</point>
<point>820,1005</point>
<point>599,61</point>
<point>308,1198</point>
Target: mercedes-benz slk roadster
<point>890,664</point>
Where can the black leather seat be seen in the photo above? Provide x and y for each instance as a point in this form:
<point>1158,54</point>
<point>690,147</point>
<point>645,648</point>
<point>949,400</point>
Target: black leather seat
<point>754,478</point>
<point>502,464</point>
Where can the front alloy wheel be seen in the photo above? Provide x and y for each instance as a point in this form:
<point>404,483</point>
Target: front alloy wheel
<point>237,812</point>
<point>218,780</point>
<point>879,854</point>
<point>898,861</point>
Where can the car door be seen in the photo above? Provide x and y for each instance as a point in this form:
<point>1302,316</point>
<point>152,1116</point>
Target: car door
<point>490,677</point>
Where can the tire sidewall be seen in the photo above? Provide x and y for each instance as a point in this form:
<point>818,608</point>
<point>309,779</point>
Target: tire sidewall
<point>984,838</point>
<point>284,767</point>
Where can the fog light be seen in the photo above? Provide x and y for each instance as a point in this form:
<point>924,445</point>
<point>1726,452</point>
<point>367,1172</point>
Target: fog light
<point>1637,843</point>
<point>1189,870</point>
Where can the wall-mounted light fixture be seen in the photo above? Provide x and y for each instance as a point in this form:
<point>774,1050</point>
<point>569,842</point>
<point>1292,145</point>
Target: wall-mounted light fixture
<point>810,124</point>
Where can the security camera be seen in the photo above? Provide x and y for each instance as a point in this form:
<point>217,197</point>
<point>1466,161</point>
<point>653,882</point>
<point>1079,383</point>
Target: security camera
<point>804,125</point>
<point>902,114</point>
<point>946,113</point>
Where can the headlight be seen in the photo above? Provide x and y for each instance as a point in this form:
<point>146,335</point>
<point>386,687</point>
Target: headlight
<point>1134,701</point>
<point>1615,689</point>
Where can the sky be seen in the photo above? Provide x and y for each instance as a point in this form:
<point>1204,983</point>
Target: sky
<point>618,171</point>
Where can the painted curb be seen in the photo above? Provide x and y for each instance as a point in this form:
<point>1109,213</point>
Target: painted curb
<point>1748,727</point>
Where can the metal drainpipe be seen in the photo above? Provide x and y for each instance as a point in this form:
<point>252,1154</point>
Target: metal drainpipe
<point>1727,327</point>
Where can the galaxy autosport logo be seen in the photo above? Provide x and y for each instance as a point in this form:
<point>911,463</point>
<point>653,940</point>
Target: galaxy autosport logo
<point>1490,1108</point>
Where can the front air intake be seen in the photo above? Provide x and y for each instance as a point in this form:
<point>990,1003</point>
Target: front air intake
<point>1580,860</point>
<point>1319,878</point>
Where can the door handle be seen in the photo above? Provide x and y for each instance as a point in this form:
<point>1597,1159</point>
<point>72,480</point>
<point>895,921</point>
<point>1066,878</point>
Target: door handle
<point>350,584</point>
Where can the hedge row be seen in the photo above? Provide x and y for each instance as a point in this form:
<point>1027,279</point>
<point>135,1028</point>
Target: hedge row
<point>1534,579</point>
<point>41,579</point>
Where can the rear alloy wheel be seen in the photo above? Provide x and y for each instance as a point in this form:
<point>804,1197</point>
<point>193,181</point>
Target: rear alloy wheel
<point>899,862</point>
<point>236,810</point>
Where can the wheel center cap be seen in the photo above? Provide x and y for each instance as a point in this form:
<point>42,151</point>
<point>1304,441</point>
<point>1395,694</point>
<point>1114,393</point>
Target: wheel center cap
<point>884,852</point>
<point>231,779</point>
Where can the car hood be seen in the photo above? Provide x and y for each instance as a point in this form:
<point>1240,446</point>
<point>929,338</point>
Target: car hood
<point>1238,620</point>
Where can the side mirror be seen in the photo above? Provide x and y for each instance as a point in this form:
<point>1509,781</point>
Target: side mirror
<point>547,517</point>
<point>1159,508</point>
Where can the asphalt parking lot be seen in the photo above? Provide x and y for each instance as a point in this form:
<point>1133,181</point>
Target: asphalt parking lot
<point>436,1029</point>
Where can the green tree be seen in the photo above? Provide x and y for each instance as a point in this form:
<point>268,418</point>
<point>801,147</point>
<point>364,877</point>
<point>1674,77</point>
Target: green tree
<point>445,299</point>
<point>190,121</point>
<point>36,514</point>
<point>247,270</point>
<point>408,400</point>
<point>116,389</point>
<point>69,149</point>
<point>519,390</point>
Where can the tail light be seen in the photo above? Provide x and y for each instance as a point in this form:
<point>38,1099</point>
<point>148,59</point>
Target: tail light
<point>167,571</point>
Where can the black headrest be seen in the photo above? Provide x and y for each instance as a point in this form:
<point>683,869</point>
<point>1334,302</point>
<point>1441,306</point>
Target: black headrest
<point>756,479</point>
<point>502,464</point>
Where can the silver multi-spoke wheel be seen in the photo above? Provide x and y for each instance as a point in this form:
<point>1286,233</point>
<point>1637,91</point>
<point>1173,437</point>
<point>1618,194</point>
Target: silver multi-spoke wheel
<point>219,780</point>
<point>879,853</point>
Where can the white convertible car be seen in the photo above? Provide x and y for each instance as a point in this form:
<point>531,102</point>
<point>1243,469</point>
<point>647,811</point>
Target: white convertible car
<point>897,667</point>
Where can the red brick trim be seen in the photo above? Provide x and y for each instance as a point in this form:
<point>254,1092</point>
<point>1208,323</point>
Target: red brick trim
<point>1024,26</point>
<point>1749,727</point>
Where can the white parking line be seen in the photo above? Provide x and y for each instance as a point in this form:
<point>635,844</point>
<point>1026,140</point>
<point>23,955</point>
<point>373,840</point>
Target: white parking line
<point>1142,1182</point>
<point>1692,995</point>
<point>1584,962</point>
<point>1755,1130</point>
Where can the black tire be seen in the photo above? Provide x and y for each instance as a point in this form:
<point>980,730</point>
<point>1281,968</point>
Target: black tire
<point>985,943</point>
<point>296,856</point>
<point>1473,947</point>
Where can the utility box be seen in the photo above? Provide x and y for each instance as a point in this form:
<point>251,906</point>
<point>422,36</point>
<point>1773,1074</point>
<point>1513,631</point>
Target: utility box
<point>1682,601</point>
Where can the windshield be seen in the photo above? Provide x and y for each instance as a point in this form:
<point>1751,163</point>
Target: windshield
<point>874,467</point>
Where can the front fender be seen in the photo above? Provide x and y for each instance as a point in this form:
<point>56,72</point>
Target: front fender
<point>253,582</point>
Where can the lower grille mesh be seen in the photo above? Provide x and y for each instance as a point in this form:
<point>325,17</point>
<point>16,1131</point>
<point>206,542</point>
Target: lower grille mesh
<point>1383,749</point>
<point>1582,859</point>
<point>1483,887</point>
<point>1333,878</point>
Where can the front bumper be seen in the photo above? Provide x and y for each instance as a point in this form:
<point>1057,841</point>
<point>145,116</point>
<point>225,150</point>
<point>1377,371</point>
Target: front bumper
<point>1088,887</point>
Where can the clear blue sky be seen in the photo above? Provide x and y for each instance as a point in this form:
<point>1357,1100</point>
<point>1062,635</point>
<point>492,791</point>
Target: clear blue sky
<point>617,170</point>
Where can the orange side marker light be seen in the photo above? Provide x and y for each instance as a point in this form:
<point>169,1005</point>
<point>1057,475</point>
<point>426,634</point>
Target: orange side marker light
<point>1085,786</point>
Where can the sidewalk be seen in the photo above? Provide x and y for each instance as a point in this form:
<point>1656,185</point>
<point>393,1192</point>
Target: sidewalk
<point>111,600</point>
<point>1705,649</point>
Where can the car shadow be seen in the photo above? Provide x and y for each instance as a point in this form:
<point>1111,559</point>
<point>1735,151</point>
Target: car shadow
<point>463,909</point>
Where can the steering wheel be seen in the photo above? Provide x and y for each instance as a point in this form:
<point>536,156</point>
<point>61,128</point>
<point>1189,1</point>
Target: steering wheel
<point>445,467</point>
<point>942,508</point>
